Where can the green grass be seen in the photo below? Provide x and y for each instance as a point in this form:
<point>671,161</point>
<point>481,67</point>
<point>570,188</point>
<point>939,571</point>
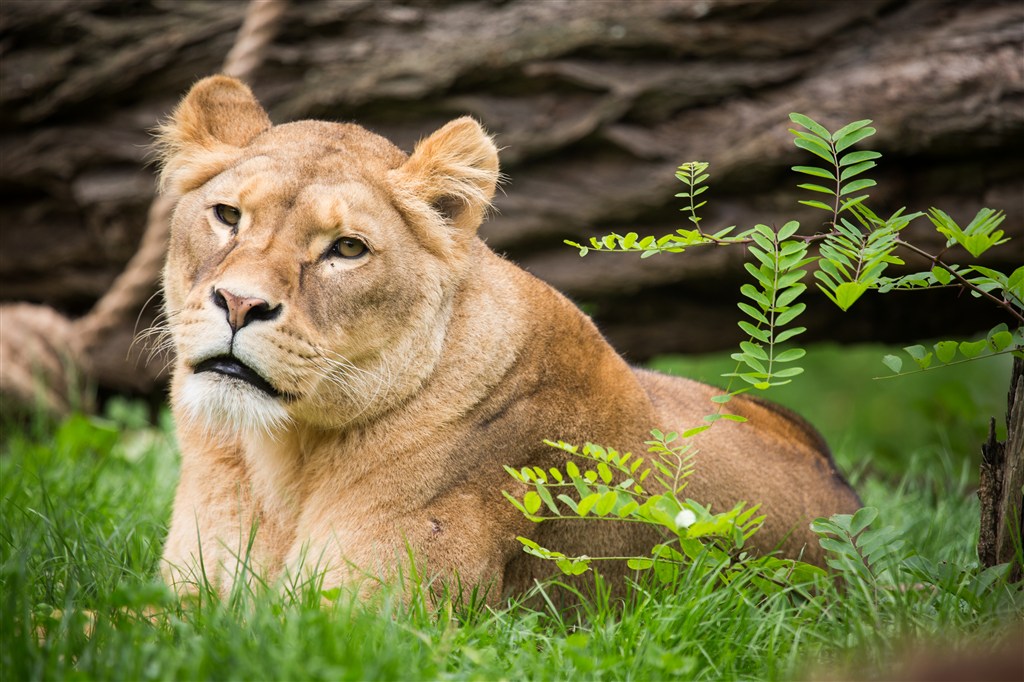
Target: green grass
<point>85,505</point>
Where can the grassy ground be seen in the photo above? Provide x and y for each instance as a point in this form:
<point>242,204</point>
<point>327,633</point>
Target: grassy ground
<point>85,505</point>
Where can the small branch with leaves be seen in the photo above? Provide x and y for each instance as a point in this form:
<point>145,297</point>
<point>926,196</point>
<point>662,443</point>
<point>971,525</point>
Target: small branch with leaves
<point>852,258</point>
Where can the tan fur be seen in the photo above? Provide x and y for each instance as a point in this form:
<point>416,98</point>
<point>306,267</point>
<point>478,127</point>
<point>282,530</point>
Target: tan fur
<point>409,375</point>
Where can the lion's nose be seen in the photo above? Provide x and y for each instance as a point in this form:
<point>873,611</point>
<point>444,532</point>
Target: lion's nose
<point>242,310</point>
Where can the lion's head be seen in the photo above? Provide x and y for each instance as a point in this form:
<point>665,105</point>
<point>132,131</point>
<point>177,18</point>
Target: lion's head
<point>312,266</point>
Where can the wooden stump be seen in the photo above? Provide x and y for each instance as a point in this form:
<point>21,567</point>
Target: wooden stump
<point>1002,478</point>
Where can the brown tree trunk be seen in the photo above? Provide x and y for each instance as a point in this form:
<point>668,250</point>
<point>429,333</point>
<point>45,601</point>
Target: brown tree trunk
<point>1001,485</point>
<point>595,104</point>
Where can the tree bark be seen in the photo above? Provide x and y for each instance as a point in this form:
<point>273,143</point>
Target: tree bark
<point>1001,485</point>
<point>595,104</point>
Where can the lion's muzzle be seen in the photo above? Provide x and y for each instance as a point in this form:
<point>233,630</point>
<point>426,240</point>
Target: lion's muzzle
<point>232,367</point>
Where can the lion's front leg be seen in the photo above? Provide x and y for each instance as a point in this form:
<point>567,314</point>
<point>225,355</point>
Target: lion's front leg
<point>214,537</point>
<point>449,548</point>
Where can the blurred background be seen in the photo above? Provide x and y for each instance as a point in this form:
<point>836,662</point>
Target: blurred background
<point>595,104</point>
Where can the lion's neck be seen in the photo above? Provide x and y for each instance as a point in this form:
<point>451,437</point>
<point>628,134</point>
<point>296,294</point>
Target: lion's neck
<point>274,462</point>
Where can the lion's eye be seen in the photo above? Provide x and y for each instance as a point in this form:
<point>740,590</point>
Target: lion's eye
<point>229,215</point>
<point>348,247</point>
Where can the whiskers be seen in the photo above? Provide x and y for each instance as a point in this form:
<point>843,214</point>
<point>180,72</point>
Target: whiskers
<point>361,387</point>
<point>154,341</point>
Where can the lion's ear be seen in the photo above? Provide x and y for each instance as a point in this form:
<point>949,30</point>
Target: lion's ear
<point>218,116</point>
<point>455,172</point>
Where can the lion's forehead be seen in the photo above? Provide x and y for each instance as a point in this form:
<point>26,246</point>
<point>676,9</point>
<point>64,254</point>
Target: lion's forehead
<point>316,200</point>
<point>330,149</point>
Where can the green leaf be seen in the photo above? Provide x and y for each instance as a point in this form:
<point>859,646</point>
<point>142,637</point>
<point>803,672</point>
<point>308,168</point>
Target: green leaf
<point>856,170</point>
<point>789,314</point>
<point>921,355</point>
<point>945,351</point>
<point>1015,284</point>
<point>788,230</point>
<point>606,503</point>
<point>789,295</point>
<point>819,149</point>
<point>924,363</point>
<point>999,341</point>
<point>815,171</point>
<point>856,186</point>
<point>753,332</point>
<point>853,138</point>
<point>545,495</point>
<point>788,249</point>
<point>569,502</point>
<point>750,292</point>
<point>763,278</point>
<point>917,352</point>
<point>941,275</point>
<point>752,362</point>
<point>850,128</point>
<point>816,204</point>
<point>994,275</point>
<point>513,473</point>
<point>640,564</point>
<point>531,501</point>
<point>628,509</point>
<point>817,188</point>
<point>527,542</point>
<point>972,349</point>
<point>587,503</point>
<point>790,355</point>
<point>789,333</point>
<point>810,124</point>
<point>515,503</point>
<point>850,203</point>
<point>752,312</point>
<point>575,566</point>
<point>753,350</point>
<point>858,157</point>
<point>847,293</point>
<point>766,242</point>
<point>863,518</point>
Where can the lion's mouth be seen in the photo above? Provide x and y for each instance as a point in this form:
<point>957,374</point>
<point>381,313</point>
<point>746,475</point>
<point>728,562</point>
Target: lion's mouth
<point>230,366</point>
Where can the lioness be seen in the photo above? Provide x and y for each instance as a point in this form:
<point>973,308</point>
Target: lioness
<point>354,366</point>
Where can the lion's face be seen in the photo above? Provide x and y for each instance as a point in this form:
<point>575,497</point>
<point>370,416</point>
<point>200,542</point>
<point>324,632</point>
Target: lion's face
<point>311,271</point>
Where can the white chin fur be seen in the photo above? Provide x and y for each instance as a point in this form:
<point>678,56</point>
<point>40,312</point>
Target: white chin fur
<point>229,406</point>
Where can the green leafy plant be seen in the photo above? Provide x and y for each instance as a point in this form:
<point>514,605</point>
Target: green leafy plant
<point>779,267</point>
<point>614,486</point>
<point>693,174</point>
<point>851,258</point>
<point>871,554</point>
<point>817,140</point>
<point>977,237</point>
